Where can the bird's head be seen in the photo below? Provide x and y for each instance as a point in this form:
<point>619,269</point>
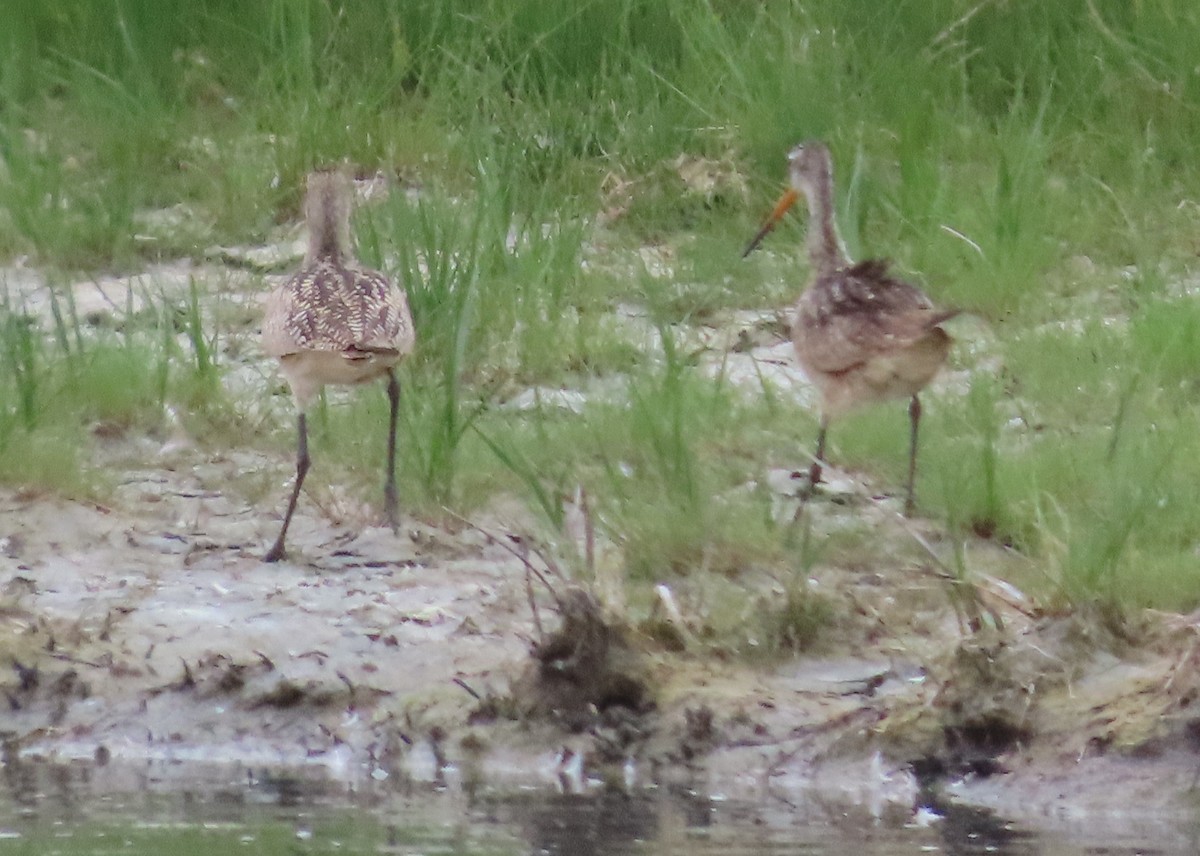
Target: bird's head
<point>808,163</point>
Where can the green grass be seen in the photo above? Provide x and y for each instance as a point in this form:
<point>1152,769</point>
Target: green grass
<point>1035,168</point>
<point>60,390</point>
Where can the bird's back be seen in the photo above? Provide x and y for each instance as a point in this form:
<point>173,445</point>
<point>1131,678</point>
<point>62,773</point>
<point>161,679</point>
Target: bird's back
<point>337,307</point>
<point>862,334</point>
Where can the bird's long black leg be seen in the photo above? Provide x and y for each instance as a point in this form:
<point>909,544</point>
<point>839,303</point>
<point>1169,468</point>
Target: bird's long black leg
<point>276,552</point>
<point>814,471</point>
<point>914,418</point>
<point>389,484</point>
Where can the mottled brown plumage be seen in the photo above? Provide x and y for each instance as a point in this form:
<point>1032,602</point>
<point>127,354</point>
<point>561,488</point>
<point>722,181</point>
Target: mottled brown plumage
<point>335,322</point>
<point>861,335</point>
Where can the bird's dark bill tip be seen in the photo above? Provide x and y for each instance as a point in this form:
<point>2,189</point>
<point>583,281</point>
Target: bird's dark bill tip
<point>757,239</point>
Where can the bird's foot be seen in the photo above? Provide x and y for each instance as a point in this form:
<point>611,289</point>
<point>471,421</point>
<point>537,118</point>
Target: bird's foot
<point>804,494</point>
<point>275,553</point>
<point>806,486</point>
<point>391,510</point>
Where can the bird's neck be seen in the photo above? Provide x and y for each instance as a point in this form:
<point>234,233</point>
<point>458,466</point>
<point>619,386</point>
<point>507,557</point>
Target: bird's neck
<point>328,217</point>
<point>826,252</point>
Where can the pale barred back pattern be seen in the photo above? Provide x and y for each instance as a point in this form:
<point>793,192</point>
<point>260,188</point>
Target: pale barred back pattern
<point>331,307</point>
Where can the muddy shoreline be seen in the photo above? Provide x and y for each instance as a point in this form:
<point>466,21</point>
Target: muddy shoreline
<point>149,630</point>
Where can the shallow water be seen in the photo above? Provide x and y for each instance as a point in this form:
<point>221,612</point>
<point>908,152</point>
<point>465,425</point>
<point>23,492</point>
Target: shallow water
<point>164,809</point>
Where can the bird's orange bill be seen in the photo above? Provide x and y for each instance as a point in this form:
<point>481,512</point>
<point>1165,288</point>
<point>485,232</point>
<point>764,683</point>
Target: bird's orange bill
<point>785,202</point>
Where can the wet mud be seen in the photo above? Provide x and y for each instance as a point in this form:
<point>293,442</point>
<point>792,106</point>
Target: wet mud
<point>151,630</point>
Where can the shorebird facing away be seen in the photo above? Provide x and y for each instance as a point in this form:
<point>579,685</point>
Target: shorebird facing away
<point>335,322</point>
<point>861,335</point>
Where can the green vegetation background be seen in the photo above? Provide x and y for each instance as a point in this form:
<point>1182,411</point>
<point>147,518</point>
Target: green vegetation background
<point>1030,162</point>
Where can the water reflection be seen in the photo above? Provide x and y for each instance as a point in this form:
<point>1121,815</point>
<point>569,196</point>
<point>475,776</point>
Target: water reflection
<point>158,808</point>
<point>967,831</point>
<point>585,825</point>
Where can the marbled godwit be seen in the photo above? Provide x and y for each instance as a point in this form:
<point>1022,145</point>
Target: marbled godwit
<point>860,334</point>
<point>335,322</point>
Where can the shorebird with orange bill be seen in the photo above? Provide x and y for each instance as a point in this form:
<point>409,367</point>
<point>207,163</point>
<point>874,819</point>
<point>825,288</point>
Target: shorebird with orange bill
<point>335,322</point>
<point>861,335</point>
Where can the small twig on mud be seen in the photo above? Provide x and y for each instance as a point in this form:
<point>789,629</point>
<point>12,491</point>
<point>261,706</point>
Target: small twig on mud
<point>550,564</point>
<point>589,532</point>
<point>341,676</point>
<point>537,618</point>
<point>187,681</point>
<point>78,661</point>
<point>1183,661</point>
<point>467,687</point>
<point>947,571</point>
<point>498,540</point>
<point>522,555</point>
<point>802,733</point>
<point>971,602</point>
